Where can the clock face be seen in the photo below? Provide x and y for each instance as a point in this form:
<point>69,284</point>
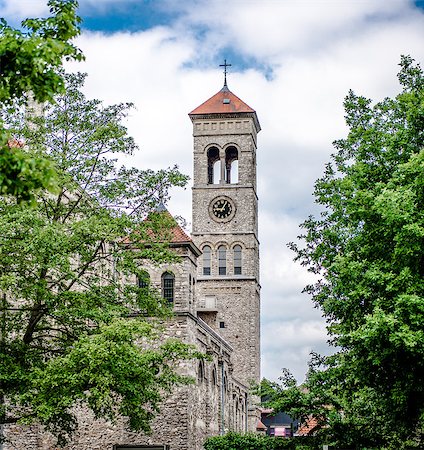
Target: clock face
<point>222,209</point>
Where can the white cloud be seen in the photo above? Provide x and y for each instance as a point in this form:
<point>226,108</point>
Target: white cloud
<point>289,343</point>
<point>14,10</point>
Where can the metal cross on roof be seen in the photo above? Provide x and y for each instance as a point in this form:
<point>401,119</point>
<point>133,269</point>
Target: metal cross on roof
<point>225,65</point>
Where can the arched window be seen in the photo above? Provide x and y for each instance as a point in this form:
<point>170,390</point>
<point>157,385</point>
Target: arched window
<point>222,260</point>
<point>206,260</point>
<point>231,165</point>
<point>143,279</point>
<point>237,260</point>
<point>200,372</point>
<point>168,282</point>
<point>214,172</point>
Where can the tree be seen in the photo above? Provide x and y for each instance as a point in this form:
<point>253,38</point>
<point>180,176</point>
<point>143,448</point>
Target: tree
<point>251,441</point>
<point>367,249</point>
<point>76,327</point>
<point>29,67</point>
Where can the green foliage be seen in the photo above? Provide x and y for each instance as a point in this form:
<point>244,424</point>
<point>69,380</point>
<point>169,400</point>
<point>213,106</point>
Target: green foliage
<point>30,63</point>
<point>20,174</point>
<point>250,441</point>
<point>30,60</point>
<point>74,327</point>
<point>367,249</point>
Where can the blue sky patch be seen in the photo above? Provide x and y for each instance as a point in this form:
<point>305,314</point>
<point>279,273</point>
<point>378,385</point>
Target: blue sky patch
<point>126,16</point>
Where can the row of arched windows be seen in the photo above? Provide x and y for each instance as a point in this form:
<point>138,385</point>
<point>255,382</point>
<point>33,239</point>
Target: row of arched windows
<point>222,260</point>
<point>234,399</point>
<point>201,375</point>
<point>225,170</point>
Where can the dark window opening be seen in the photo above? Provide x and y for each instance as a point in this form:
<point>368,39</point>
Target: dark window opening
<point>200,372</point>
<point>221,324</point>
<point>213,166</point>
<point>143,280</point>
<point>222,260</point>
<point>214,377</point>
<point>141,447</point>
<point>237,260</point>
<point>231,165</point>
<point>168,281</point>
<point>206,260</point>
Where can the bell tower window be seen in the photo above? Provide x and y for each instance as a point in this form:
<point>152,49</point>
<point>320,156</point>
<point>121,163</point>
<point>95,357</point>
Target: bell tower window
<point>222,260</point>
<point>214,166</point>
<point>237,260</point>
<point>206,260</point>
<point>231,165</point>
<point>168,285</point>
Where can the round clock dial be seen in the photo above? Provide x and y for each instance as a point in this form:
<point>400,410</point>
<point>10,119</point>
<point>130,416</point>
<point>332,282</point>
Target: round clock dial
<point>222,209</point>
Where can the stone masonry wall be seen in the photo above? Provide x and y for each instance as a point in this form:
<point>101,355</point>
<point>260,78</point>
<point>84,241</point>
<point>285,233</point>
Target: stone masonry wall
<point>236,297</point>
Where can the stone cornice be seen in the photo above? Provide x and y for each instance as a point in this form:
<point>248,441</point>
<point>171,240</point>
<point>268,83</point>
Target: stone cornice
<point>236,115</point>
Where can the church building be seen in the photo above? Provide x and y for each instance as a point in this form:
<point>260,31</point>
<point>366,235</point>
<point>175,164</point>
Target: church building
<point>215,290</point>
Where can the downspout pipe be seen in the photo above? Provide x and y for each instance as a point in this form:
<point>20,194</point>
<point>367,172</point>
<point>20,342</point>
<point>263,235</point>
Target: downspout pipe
<point>222,426</point>
<point>246,411</point>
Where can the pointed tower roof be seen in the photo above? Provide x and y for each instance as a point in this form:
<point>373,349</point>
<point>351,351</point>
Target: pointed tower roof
<point>223,102</point>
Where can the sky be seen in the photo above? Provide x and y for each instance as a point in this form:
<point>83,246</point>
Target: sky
<point>293,61</point>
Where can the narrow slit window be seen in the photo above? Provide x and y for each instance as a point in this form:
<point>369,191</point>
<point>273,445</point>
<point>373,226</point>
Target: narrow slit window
<point>214,377</point>
<point>200,372</point>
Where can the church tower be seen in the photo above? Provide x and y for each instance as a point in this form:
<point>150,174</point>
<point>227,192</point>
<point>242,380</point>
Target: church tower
<point>225,226</point>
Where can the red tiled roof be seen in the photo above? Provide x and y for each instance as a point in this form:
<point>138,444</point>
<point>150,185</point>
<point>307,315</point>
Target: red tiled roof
<point>223,102</point>
<point>309,427</point>
<point>179,235</point>
<point>175,234</point>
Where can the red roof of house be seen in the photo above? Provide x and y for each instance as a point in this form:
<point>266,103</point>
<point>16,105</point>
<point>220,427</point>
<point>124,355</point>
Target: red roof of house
<point>223,102</point>
<point>309,427</point>
<point>261,426</point>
